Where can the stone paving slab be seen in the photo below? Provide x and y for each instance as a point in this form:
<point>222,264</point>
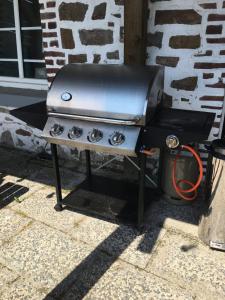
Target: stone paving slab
<point>119,240</point>
<point>84,276</point>
<point>7,276</point>
<point>53,256</point>
<point>10,224</point>
<point>190,264</point>
<point>123,281</point>
<point>21,289</point>
<point>16,163</point>
<point>180,217</point>
<point>42,252</point>
<point>46,176</point>
<point>41,207</point>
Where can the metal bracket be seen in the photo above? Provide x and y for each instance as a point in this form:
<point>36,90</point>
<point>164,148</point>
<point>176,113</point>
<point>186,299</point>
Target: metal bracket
<point>138,168</point>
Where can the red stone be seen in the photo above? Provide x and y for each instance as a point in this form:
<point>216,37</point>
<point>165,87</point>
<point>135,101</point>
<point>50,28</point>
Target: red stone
<point>214,29</point>
<point>54,53</point>
<point>216,17</point>
<point>77,58</point>
<point>67,38</point>
<point>216,40</point>
<point>52,70</point>
<point>211,98</point>
<point>208,75</point>
<point>54,43</point>
<point>167,61</point>
<point>51,4</point>
<point>185,42</point>
<point>52,25</point>
<point>187,16</point>
<point>207,65</point>
<point>218,85</point>
<point>208,5</point>
<point>48,15</point>
<point>49,62</point>
<point>49,34</point>
<point>60,62</point>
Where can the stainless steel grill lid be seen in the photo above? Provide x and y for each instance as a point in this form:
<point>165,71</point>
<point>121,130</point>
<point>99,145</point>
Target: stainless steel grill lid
<point>103,91</point>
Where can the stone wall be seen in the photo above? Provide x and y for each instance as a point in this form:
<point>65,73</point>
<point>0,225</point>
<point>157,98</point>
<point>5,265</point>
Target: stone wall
<point>16,134</point>
<point>81,32</point>
<point>188,38</point>
<point>185,36</point>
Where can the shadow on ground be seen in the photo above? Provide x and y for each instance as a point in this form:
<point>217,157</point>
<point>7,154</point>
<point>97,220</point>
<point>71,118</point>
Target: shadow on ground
<point>95,265</point>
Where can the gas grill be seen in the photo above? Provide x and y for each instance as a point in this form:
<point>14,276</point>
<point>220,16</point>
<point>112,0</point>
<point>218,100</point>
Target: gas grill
<point>116,109</point>
<point>102,107</point>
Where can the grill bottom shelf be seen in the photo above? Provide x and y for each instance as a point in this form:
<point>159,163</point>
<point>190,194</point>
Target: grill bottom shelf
<point>109,199</point>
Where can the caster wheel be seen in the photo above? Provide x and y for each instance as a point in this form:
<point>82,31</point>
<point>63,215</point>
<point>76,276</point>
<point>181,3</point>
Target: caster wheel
<point>58,207</point>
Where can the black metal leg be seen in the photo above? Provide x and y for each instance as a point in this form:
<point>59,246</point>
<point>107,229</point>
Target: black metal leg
<point>58,206</point>
<point>141,195</point>
<point>208,179</point>
<point>160,169</point>
<point>88,163</point>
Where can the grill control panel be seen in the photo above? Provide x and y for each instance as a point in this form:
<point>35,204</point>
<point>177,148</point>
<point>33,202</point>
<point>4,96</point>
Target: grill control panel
<point>110,138</point>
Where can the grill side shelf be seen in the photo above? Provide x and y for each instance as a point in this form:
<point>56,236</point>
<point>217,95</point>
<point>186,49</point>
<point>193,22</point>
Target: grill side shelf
<point>34,115</point>
<point>188,126</point>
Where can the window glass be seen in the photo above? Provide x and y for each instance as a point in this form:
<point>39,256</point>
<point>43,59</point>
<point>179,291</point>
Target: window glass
<point>29,13</point>
<point>34,70</point>
<point>6,14</point>
<point>31,56</point>
<point>32,44</point>
<point>9,68</point>
<point>8,44</point>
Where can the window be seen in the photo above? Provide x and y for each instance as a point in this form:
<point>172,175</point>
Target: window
<point>21,52</point>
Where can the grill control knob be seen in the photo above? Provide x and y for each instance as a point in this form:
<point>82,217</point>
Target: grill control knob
<point>172,141</point>
<point>117,139</point>
<point>95,136</point>
<point>56,130</point>
<point>75,133</point>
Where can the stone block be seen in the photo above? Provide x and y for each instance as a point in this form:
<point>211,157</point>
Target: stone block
<point>186,84</point>
<point>113,55</point>
<point>73,11</point>
<point>99,11</point>
<point>119,241</point>
<point>190,264</point>
<point>155,39</point>
<point>67,38</point>
<point>96,37</point>
<point>124,281</point>
<point>167,61</point>
<point>187,16</point>
<point>77,58</point>
<point>185,42</point>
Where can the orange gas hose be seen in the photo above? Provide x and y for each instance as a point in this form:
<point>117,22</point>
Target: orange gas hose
<point>181,192</point>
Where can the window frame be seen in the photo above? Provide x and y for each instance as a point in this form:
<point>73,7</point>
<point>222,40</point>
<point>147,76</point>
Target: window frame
<point>21,81</point>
